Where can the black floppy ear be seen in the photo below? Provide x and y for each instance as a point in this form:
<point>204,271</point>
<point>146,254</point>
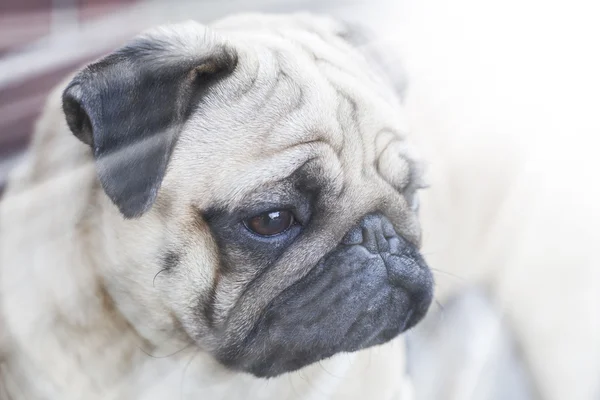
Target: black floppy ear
<point>131,105</point>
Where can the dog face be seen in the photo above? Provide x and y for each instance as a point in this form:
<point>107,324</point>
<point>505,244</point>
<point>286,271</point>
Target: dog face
<point>268,157</point>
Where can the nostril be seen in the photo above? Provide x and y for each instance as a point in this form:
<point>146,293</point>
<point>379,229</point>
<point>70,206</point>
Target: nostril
<point>396,245</point>
<point>400,246</point>
<point>354,236</point>
<point>383,246</point>
<point>375,232</point>
<point>370,241</point>
<point>388,229</point>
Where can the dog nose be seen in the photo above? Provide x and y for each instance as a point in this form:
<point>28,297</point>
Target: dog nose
<point>405,265</point>
<point>373,232</point>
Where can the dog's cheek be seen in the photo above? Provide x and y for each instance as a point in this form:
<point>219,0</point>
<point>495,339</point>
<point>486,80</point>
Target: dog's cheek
<point>185,280</point>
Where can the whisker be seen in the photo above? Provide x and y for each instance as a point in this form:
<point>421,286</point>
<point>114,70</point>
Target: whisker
<point>154,279</point>
<point>442,313</point>
<point>442,309</point>
<point>328,372</point>
<point>192,357</point>
<point>449,274</point>
<point>166,356</point>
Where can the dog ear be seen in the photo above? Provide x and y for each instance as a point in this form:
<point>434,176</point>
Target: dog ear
<point>130,106</point>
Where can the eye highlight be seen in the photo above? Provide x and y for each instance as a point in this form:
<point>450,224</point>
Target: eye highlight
<point>271,223</point>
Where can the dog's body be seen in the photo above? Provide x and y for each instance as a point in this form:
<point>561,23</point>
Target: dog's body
<point>95,305</point>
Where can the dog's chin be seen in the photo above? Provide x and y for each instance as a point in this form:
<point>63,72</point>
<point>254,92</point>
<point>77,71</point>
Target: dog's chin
<point>354,299</point>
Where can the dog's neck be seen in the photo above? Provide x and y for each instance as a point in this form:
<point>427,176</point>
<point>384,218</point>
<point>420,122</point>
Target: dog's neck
<point>63,328</point>
<point>73,337</point>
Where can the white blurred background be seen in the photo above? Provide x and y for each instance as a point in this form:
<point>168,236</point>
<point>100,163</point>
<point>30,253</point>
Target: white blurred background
<point>503,98</point>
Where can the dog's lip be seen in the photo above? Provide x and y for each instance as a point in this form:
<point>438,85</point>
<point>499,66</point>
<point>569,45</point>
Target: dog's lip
<point>416,314</point>
<point>409,320</point>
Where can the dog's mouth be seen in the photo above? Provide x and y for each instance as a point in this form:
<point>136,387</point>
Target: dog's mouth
<point>361,295</point>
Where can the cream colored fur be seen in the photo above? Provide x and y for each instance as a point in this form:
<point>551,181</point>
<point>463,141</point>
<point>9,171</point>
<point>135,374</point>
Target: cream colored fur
<point>66,336</point>
<point>515,212</point>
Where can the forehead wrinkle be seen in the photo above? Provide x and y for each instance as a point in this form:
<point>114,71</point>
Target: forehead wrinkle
<point>364,145</point>
<point>259,77</point>
<point>289,100</point>
<point>384,137</point>
<point>290,95</point>
<point>264,172</point>
<point>352,149</point>
<point>366,93</point>
<point>294,112</point>
<point>345,58</point>
<point>384,140</point>
<point>363,122</point>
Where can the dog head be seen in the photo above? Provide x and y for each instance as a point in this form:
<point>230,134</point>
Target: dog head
<point>260,167</point>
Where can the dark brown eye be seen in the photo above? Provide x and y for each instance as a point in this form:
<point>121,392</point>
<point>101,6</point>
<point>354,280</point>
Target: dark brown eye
<point>271,223</point>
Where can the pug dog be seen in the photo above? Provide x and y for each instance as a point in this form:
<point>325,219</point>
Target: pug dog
<point>218,212</point>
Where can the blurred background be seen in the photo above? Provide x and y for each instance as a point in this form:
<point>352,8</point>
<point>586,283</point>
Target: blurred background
<point>502,96</point>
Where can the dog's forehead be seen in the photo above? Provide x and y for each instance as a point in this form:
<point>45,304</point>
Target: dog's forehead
<point>297,94</point>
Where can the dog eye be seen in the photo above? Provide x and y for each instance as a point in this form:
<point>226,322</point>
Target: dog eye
<point>271,223</point>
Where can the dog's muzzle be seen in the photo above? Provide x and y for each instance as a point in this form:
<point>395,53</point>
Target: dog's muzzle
<point>370,288</point>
